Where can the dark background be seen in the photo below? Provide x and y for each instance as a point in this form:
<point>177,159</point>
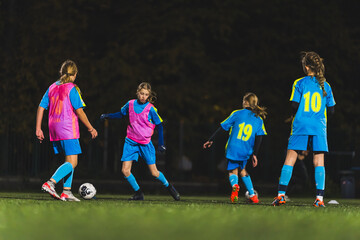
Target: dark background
<point>200,57</point>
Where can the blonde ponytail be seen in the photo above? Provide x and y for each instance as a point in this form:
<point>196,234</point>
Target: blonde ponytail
<point>68,69</point>
<point>252,100</point>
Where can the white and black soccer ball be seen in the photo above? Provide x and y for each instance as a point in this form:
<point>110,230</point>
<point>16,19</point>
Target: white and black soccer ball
<point>247,196</point>
<point>87,191</point>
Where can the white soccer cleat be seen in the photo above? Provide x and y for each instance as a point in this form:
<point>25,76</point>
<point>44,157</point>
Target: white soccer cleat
<point>46,187</point>
<point>69,197</point>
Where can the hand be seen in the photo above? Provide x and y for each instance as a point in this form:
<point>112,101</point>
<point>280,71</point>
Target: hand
<point>254,161</point>
<point>40,135</point>
<point>162,148</point>
<point>104,116</point>
<point>207,144</point>
<point>93,133</point>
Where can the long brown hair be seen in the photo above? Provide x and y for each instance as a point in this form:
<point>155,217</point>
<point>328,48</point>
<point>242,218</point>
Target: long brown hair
<point>253,100</point>
<point>147,86</point>
<point>313,61</point>
<point>68,68</point>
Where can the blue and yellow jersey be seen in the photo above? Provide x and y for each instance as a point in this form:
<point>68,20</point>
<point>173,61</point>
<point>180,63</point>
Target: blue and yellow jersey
<point>244,126</point>
<point>154,117</point>
<point>310,118</point>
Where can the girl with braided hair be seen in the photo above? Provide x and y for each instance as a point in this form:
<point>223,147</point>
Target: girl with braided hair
<point>246,130</point>
<point>311,98</point>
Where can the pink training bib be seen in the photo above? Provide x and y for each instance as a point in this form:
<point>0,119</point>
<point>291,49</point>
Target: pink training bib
<point>63,121</point>
<point>140,129</point>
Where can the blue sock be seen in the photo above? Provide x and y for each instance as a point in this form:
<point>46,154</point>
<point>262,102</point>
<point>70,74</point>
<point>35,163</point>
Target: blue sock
<point>234,179</point>
<point>248,184</point>
<point>131,179</point>
<point>162,179</point>
<point>68,179</point>
<point>62,171</point>
<point>285,177</point>
<point>320,178</point>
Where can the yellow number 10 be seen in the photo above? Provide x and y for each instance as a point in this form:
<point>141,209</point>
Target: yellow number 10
<point>315,102</point>
<point>246,130</point>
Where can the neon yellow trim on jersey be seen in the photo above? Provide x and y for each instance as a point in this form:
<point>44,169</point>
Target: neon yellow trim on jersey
<point>78,90</point>
<point>292,122</point>
<point>293,88</point>
<point>327,83</point>
<point>263,128</point>
<point>157,114</point>
<point>230,116</point>
<point>229,138</point>
<point>325,116</point>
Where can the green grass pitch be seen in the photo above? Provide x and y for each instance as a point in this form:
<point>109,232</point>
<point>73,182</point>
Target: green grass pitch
<point>37,216</point>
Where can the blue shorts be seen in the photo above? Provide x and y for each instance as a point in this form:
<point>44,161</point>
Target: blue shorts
<point>68,147</point>
<point>236,164</point>
<point>306,142</point>
<point>132,150</point>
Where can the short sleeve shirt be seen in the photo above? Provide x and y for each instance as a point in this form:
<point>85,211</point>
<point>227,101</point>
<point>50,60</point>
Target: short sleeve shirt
<point>243,125</point>
<point>311,117</point>
<point>75,98</point>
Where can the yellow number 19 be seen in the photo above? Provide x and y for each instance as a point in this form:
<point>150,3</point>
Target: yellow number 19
<point>246,130</point>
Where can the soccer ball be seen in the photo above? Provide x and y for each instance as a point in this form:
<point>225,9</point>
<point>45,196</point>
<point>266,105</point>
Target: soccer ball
<point>247,196</point>
<point>87,191</point>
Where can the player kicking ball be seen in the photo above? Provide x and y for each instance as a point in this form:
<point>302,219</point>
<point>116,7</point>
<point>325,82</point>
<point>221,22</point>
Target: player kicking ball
<point>246,130</point>
<point>143,118</point>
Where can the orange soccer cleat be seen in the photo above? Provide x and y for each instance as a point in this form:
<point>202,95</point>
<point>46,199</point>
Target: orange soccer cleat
<point>235,193</point>
<point>319,203</point>
<point>254,199</point>
<point>279,200</point>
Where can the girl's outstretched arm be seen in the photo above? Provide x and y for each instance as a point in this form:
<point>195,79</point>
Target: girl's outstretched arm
<point>111,115</point>
<point>209,142</point>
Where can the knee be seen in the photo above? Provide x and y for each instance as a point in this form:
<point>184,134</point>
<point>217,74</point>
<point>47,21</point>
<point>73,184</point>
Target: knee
<point>73,163</point>
<point>243,173</point>
<point>126,172</point>
<point>155,173</point>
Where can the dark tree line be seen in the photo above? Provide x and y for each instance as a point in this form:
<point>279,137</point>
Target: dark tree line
<point>200,57</point>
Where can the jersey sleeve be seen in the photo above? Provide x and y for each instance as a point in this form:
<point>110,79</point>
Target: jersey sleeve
<point>330,101</point>
<point>45,100</point>
<point>296,91</point>
<point>154,117</point>
<point>228,122</point>
<point>261,131</point>
<point>76,99</point>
